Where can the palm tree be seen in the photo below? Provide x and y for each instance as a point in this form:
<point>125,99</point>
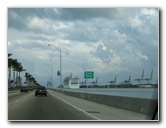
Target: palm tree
<point>14,65</point>
<point>33,80</point>
<point>9,69</point>
<point>28,78</point>
<point>19,69</point>
<point>9,54</point>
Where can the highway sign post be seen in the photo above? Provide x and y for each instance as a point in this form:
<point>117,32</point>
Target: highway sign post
<point>88,75</point>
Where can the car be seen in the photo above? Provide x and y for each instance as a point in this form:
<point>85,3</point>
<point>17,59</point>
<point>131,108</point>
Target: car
<point>24,89</point>
<point>40,90</point>
<point>30,88</point>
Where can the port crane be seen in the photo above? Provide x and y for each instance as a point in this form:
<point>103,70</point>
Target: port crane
<point>95,82</point>
<point>148,79</point>
<point>112,81</point>
<point>140,79</point>
<point>126,82</point>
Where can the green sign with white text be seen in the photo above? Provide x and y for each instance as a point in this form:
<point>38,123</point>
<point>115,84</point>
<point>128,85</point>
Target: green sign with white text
<point>88,74</point>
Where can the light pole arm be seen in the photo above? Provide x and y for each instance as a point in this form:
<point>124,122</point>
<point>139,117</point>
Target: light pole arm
<point>54,46</point>
<point>60,62</point>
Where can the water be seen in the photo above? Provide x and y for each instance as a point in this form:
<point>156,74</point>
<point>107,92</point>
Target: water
<point>146,93</point>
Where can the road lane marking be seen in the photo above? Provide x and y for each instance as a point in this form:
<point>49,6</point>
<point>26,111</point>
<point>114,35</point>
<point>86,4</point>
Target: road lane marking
<point>17,100</point>
<point>75,107</point>
<point>14,93</point>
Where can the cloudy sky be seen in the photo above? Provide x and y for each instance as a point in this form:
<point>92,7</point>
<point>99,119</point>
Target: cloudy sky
<point>109,41</point>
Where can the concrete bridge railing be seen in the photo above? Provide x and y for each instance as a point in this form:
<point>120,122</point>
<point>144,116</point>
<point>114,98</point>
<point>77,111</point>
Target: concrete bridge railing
<point>146,106</point>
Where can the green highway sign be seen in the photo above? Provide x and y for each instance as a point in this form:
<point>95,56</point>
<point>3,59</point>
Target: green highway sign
<point>88,74</point>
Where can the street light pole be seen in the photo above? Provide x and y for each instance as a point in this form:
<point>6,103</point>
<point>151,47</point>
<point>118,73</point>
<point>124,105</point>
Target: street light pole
<point>51,72</point>
<point>60,62</point>
<point>49,76</point>
<point>60,69</point>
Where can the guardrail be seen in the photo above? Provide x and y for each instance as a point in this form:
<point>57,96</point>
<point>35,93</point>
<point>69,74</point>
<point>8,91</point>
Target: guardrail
<point>145,106</point>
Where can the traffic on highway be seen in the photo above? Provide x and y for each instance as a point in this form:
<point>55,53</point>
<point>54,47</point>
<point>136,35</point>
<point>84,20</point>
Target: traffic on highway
<point>83,64</point>
<point>27,106</point>
<point>60,107</point>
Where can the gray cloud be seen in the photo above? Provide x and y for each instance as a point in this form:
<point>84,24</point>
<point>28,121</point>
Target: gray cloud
<point>15,21</point>
<point>87,13</point>
<point>109,41</point>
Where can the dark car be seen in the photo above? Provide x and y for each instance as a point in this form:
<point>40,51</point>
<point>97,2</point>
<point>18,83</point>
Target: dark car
<point>40,90</point>
<point>24,89</point>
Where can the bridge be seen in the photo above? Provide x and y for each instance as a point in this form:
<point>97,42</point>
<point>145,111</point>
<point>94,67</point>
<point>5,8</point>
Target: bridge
<point>61,105</point>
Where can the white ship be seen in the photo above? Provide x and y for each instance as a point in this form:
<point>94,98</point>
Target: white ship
<point>71,82</point>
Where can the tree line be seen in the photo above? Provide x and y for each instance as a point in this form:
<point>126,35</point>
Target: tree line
<point>16,68</point>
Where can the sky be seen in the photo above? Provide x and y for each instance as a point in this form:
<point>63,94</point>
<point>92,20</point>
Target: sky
<point>108,41</point>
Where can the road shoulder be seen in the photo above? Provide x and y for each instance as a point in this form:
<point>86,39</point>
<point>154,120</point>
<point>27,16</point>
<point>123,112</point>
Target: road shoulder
<point>101,111</point>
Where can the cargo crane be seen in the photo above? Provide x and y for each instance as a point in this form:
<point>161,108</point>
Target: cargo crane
<point>113,81</point>
<point>148,79</point>
<point>140,79</point>
<point>83,82</point>
<point>94,82</point>
<point>126,82</point>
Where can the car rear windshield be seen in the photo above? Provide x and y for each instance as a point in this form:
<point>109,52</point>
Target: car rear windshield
<point>40,87</point>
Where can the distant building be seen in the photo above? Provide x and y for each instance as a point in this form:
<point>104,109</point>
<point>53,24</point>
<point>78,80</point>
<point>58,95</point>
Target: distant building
<point>18,81</point>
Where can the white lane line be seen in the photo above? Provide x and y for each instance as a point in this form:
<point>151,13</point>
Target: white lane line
<point>14,93</point>
<point>17,100</point>
<point>75,107</point>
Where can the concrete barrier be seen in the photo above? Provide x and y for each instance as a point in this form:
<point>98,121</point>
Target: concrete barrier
<point>146,106</point>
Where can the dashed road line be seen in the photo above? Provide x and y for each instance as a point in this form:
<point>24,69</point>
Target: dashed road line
<point>17,100</point>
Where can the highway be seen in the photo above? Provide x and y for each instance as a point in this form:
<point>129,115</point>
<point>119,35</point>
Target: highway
<point>60,107</point>
<point>26,106</point>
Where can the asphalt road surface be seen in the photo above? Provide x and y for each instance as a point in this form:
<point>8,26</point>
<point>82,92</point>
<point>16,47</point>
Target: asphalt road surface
<point>60,107</point>
<point>27,106</point>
